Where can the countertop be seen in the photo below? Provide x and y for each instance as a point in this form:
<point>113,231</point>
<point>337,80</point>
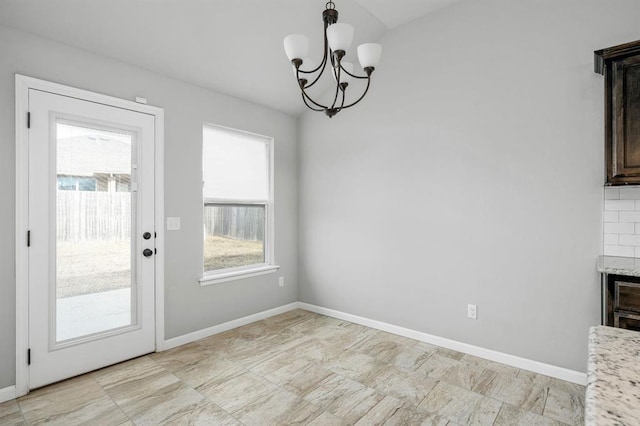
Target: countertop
<point>613,377</point>
<point>629,266</point>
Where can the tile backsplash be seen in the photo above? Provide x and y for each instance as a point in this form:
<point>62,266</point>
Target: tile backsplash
<point>622,221</point>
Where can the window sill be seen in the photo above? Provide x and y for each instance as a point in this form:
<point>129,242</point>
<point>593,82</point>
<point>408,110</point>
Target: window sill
<point>237,275</point>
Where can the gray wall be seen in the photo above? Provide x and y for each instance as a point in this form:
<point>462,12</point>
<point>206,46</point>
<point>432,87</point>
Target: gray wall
<point>472,173</point>
<point>188,306</point>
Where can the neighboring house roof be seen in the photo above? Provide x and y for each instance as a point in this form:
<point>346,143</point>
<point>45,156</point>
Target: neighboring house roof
<point>87,156</point>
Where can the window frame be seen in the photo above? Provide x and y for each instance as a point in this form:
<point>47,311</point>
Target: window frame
<point>269,265</point>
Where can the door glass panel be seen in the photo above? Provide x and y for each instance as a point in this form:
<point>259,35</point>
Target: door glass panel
<point>94,267</point>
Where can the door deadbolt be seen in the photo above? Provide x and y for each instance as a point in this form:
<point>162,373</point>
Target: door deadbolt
<point>146,235</point>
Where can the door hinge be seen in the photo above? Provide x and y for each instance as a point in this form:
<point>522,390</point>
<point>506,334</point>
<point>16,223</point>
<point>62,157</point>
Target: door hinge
<point>28,238</point>
<point>28,120</point>
<point>155,251</point>
<point>29,356</point>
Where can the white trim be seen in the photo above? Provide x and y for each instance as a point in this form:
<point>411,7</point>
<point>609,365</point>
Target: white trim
<point>7,394</point>
<point>22,225</point>
<point>237,275</point>
<point>23,84</point>
<point>512,360</point>
<point>60,89</point>
<point>160,228</point>
<point>220,328</point>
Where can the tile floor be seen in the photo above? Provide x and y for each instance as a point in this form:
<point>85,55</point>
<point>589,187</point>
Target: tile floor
<point>305,369</point>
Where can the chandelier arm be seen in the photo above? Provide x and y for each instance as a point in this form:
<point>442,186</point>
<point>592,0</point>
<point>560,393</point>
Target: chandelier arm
<point>323,65</point>
<point>361,77</point>
<point>306,96</point>
<point>344,96</point>
<point>361,97</point>
<point>335,99</point>
<point>304,99</point>
<point>324,60</point>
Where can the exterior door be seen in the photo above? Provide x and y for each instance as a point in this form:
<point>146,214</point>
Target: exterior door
<point>91,236</point>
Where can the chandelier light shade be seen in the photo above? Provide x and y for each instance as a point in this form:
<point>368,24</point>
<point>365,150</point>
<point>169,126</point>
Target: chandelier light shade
<point>337,41</point>
<point>296,46</point>
<point>369,55</point>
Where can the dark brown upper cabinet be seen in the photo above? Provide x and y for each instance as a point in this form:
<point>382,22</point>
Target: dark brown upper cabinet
<point>620,66</point>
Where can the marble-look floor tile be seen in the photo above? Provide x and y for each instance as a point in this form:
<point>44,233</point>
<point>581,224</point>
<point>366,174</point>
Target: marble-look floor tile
<point>460,406</point>
<point>317,351</point>
<point>128,371</point>
<point>279,407</point>
<point>10,414</point>
<point>351,336</point>
<point>523,394</point>
<point>437,366</point>
<point>252,354</point>
<point>299,376</point>
<point>454,372</point>
<point>505,370</point>
<point>451,353</point>
<point>276,362</point>
<point>380,347</point>
<point>327,419</point>
<point>565,407</point>
<point>510,416</point>
<point>209,371</point>
<point>313,324</point>
<point>284,340</point>
<point>147,393</point>
<point>344,398</point>
<point>291,318</point>
<point>239,391</point>
<point>74,401</point>
<point>421,418</point>
<point>205,415</point>
<point>356,366</point>
<point>304,368</point>
<point>412,357</point>
<point>552,382</point>
<point>182,356</point>
<point>390,411</point>
<point>326,329</point>
<point>408,387</point>
<point>463,375</point>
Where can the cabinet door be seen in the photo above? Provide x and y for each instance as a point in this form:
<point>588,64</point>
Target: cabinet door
<point>627,320</point>
<point>623,113</point>
<point>627,296</point>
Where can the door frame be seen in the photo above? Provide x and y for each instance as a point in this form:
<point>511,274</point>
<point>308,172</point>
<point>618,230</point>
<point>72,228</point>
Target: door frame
<point>23,85</point>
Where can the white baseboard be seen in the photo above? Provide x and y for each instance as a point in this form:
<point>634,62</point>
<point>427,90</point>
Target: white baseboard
<point>7,394</point>
<point>512,360</point>
<point>201,334</point>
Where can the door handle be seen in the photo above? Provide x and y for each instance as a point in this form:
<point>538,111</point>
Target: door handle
<point>147,252</point>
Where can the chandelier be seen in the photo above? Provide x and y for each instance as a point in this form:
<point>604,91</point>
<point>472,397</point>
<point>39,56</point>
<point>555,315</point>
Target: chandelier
<point>337,40</point>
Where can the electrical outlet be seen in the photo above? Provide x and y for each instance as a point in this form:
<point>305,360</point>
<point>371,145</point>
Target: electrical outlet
<point>281,281</point>
<point>472,311</point>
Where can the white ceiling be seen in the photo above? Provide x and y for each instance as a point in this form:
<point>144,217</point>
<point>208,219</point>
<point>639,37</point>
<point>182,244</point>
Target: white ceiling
<point>399,12</point>
<point>231,46</point>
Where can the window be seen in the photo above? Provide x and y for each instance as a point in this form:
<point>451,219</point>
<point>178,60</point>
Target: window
<point>238,204</point>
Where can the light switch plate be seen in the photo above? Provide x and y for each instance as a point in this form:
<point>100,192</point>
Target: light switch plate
<point>173,224</point>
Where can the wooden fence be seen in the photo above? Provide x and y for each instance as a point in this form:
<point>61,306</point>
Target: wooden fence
<point>93,215</point>
<point>106,216</point>
<point>239,222</point>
